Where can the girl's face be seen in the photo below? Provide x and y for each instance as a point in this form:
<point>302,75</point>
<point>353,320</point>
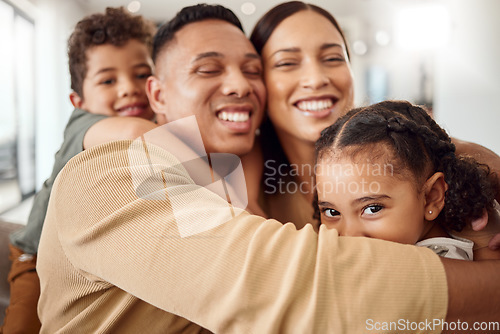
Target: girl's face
<point>367,199</point>
<point>307,74</point>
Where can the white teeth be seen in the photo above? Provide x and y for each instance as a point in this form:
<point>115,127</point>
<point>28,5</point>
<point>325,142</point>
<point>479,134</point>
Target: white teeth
<point>234,116</point>
<point>315,105</point>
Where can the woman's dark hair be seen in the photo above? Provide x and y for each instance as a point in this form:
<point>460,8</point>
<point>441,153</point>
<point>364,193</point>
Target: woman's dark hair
<point>273,153</point>
<point>115,27</point>
<point>420,146</point>
<point>267,23</point>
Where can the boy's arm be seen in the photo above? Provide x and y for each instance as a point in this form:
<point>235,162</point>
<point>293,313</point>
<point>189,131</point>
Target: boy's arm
<point>116,128</point>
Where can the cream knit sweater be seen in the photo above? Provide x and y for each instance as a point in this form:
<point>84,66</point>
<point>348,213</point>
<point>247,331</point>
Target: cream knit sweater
<point>110,261</point>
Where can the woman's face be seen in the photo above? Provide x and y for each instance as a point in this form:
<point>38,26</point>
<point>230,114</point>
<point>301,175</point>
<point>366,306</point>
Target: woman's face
<point>307,74</point>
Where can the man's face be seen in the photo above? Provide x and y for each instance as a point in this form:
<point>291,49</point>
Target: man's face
<point>212,71</point>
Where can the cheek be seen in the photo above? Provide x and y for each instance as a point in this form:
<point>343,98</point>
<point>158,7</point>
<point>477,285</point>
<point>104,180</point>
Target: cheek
<point>344,81</point>
<point>277,93</point>
<point>260,92</point>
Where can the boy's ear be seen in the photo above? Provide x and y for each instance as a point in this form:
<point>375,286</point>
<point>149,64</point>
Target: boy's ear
<point>434,190</point>
<point>76,100</point>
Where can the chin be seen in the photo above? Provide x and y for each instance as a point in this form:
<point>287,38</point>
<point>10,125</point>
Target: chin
<point>233,148</point>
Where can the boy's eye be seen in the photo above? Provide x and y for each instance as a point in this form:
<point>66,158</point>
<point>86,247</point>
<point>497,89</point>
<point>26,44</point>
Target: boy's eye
<point>330,212</point>
<point>372,209</point>
<point>107,82</point>
<point>143,75</point>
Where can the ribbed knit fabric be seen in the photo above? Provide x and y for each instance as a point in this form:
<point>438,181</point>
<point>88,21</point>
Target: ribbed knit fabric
<point>112,262</point>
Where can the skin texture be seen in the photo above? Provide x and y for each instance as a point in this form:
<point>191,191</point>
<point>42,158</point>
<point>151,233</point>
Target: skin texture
<point>115,83</point>
<point>365,198</point>
<point>305,60</point>
<point>305,63</point>
<point>206,75</point>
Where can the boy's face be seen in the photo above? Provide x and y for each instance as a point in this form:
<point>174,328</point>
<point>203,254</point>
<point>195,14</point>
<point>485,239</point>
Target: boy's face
<point>115,83</point>
<point>212,71</point>
<point>367,199</point>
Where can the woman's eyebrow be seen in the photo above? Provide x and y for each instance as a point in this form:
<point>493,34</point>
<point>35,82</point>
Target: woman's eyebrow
<point>292,49</point>
<point>330,45</point>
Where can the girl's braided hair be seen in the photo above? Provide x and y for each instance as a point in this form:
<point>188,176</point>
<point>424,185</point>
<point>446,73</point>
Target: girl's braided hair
<point>421,146</point>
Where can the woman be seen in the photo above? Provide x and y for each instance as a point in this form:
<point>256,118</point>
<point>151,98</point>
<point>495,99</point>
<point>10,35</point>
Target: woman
<point>309,80</point>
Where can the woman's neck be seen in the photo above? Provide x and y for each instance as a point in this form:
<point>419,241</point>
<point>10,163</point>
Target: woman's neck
<point>300,155</point>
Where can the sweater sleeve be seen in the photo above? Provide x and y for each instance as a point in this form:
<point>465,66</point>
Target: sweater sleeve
<point>242,274</point>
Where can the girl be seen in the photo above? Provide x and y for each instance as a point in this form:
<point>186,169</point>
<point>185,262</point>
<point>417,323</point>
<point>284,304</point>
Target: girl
<point>388,171</point>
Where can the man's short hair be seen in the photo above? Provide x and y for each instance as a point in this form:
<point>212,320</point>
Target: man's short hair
<point>116,27</point>
<point>188,15</point>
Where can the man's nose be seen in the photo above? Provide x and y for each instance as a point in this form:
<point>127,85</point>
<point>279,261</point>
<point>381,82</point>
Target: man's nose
<point>236,83</point>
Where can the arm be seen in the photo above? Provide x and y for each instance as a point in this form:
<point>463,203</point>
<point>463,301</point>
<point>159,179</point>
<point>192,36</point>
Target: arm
<point>269,276</point>
<point>253,167</point>
<point>473,291</point>
<point>116,128</point>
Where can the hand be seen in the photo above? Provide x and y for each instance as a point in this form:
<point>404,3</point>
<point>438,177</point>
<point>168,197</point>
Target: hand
<point>492,221</point>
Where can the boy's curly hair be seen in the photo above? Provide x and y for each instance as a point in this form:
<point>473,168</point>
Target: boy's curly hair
<point>116,27</point>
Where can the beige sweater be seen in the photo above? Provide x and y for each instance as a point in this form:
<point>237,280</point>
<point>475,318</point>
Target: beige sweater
<point>111,262</point>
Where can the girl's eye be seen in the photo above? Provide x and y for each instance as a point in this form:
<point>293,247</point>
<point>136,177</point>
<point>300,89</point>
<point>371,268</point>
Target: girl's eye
<point>372,209</point>
<point>330,212</point>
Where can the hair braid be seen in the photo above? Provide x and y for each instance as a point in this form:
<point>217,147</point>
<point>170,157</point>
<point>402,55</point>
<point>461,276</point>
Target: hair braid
<point>469,189</point>
<point>421,146</point>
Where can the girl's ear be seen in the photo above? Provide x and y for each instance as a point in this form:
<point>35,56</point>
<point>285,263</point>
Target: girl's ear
<point>76,100</point>
<point>434,190</point>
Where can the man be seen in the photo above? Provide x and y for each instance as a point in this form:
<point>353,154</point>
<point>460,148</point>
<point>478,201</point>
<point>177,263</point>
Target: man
<point>120,254</point>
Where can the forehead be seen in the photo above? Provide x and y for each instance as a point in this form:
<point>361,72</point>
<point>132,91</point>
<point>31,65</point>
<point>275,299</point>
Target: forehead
<point>210,36</point>
<point>303,29</point>
<point>376,162</point>
<point>107,55</point>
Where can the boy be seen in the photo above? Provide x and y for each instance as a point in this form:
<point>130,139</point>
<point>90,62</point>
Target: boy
<point>109,62</point>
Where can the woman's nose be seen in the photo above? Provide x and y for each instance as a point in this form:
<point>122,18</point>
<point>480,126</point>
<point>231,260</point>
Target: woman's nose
<point>314,77</point>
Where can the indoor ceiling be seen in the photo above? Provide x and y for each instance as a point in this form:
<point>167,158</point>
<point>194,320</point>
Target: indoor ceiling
<point>344,10</point>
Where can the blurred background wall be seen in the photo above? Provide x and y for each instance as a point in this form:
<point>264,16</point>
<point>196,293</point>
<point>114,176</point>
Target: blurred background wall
<point>441,53</point>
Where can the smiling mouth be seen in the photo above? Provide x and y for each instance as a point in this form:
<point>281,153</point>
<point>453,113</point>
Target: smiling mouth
<point>237,117</point>
<point>317,105</point>
<point>136,109</point>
